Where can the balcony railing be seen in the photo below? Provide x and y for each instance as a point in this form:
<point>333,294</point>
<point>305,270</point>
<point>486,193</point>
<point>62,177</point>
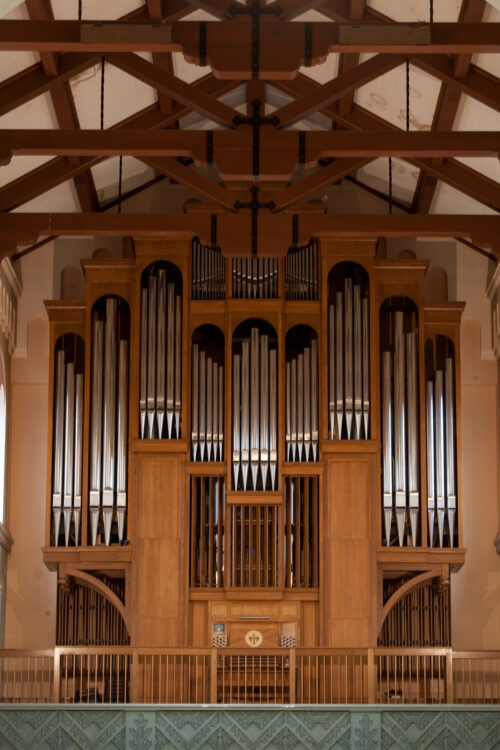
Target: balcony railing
<point>97,675</point>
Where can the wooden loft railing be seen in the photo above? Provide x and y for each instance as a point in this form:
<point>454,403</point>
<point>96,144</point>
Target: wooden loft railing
<point>267,676</point>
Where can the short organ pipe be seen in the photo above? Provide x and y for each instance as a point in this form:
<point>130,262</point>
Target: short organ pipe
<point>207,391</point>
<point>255,414</point>
<point>301,437</point>
<point>160,398</point>
<point>349,364</point>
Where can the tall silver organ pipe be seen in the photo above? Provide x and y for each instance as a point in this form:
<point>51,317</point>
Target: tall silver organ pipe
<point>96,429</point>
<point>207,408</point>
<point>208,272</point>
<point>57,470</point>
<point>109,419</point>
<point>348,364</point>
<point>109,424</point>
<point>121,471</point>
<point>387,443</point>
<point>441,462</point>
<point>160,399</point>
<point>67,450</point>
<point>77,491</point>
<point>413,434</point>
<point>255,414</point>
<point>400,433</point>
<point>451,497</point>
<point>431,459</point>
<point>301,437</point>
<point>255,278</point>
<point>301,272</point>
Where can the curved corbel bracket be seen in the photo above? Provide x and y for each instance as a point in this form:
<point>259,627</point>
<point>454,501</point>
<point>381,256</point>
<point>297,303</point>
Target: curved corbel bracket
<point>414,583</point>
<point>101,588</point>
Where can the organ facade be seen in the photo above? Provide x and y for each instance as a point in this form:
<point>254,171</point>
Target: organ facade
<point>255,452</point>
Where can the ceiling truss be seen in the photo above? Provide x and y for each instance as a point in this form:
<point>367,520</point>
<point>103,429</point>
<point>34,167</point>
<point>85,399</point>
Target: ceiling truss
<point>221,167</point>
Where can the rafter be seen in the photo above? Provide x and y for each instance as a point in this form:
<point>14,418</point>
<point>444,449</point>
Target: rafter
<point>64,108</point>
<point>478,83</point>
<point>348,62</point>
<point>322,96</point>
<point>192,97</point>
<point>446,110</point>
<point>468,181</point>
<point>32,82</point>
<point>162,59</point>
<point>57,171</point>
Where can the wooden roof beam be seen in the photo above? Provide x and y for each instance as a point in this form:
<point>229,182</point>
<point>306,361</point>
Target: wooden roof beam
<point>468,181</point>
<point>191,96</point>
<point>64,108</point>
<point>280,146</point>
<point>113,36</point>
<point>38,181</point>
<point>24,229</point>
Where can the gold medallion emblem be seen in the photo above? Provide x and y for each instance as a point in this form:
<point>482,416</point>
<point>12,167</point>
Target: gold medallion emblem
<point>253,638</point>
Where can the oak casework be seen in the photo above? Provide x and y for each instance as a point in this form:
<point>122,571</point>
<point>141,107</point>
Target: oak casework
<point>296,554</point>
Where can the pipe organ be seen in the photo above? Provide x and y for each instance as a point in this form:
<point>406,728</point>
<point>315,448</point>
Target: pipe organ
<point>255,389</point>
<point>322,454</point>
<point>349,364</point>
<point>301,272</point>
<point>255,278</point>
<point>109,420</point>
<point>160,397</point>
<point>440,442</point>
<point>68,439</point>
<point>401,497</point>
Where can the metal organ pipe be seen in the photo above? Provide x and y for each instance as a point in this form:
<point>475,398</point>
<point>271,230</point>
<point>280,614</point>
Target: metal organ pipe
<point>255,278</point>
<point>57,471</point>
<point>411,375</point>
<point>302,405</point>
<point>349,364</point>
<point>160,398</point>
<point>96,431</point>
<point>67,446</point>
<point>441,490</point>
<point>400,432</point>
<point>451,498</point>
<point>121,471</point>
<point>254,414</point>
<point>109,425</point>
<point>109,433</point>
<point>208,272</point>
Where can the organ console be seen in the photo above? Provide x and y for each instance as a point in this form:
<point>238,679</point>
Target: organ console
<point>262,437</point>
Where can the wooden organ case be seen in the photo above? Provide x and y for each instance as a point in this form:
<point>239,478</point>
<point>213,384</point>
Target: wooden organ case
<point>255,446</point>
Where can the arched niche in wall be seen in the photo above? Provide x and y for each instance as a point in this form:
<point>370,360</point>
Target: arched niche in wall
<point>436,286</point>
<point>301,394</point>
<point>400,422</point>
<point>348,352</point>
<point>67,439</point>
<point>207,394</point>
<point>255,405</point>
<point>441,441</point>
<point>72,283</point>
<point>160,394</point>
<point>108,447</point>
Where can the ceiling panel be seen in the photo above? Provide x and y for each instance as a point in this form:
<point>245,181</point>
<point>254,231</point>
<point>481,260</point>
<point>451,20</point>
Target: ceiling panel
<point>94,9</point>
<point>447,200</point>
<point>404,178</point>
<point>418,10</point>
<point>106,175</point>
<point>386,97</point>
<point>20,165</point>
<point>123,96</point>
<point>62,198</point>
